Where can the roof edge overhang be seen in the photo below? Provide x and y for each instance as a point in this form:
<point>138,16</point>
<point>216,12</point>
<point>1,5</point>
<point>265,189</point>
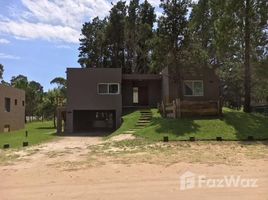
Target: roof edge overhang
<point>141,77</point>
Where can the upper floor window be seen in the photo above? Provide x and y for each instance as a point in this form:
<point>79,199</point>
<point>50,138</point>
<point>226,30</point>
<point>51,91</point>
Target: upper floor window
<point>7,104</point>
<point>23,103</point>
<point>16,102</point>
<point>108,88</point>
<point>193,88</point>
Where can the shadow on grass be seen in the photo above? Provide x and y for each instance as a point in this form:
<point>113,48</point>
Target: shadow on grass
<point>233,126</point>
<point>246,124</point>
<point>45,127</point>
<point>176,127</point>
<point>93,133</point>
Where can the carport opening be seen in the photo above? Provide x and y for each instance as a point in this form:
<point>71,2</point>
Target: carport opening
<point>88,120</point>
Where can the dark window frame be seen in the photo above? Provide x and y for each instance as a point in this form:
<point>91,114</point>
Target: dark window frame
<point>193,89</point>
<point>7,104</point>
<point>108,89</point>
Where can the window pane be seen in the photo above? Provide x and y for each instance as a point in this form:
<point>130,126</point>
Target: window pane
<point>103,88</point>
<point>7,104</point>
<point>198,88</point>
<point>113,89</point>
<point>135,95</point>
<point>188,90</point>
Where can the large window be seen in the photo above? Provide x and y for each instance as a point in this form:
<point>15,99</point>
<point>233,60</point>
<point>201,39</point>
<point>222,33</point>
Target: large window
<point>108,88</point>
<point>193,88</point>
<point>7,104</point>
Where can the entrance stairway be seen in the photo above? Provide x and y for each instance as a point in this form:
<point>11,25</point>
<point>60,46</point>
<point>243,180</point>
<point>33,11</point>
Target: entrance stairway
<point>144,120</point>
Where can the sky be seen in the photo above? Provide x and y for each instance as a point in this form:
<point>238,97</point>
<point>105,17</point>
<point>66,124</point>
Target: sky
<point>40,38</point>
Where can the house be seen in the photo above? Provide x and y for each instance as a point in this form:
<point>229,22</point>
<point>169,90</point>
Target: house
<point>96,97</point>
<point>12,108</point>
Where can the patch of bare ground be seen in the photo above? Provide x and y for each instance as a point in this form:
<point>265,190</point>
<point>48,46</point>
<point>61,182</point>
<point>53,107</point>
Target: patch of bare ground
<point>129,168</point>
<point>140,151</point>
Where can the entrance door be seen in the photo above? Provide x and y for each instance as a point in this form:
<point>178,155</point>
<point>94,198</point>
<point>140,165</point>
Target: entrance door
<point>143,96</point>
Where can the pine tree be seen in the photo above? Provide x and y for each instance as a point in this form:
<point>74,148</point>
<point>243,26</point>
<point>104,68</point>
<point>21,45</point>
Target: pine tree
<point>115,35</point>
<point>173,34</point>
<point>92,44</point>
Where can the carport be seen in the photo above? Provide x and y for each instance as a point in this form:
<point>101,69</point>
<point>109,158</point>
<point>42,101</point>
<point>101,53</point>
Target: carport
<point>90,120</point>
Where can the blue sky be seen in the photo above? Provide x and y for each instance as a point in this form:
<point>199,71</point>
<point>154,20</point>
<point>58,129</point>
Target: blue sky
<point>39,38</point>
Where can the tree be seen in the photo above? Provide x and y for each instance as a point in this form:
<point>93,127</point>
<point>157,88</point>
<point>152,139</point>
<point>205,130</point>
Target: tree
<point>145,37</point>
<point>122,40</point>
<point>61,89</point>
<point>116,35</point>
<point>19,81</point>
<point>131,34</point>
<point>235,36</point>
<point>173,28</point>
<point>93,48</point>
<point>1,71</point>
<point>50,104</point>
<point>34,96</point>
<point>33,92</point>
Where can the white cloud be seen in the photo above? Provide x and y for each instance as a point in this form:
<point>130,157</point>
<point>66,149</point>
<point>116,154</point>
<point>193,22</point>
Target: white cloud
<point>65,12</point>
<point>154,3</point>
<point>4,41</point>
<point>24,29</point>
<point>7,56</point>
<point>52,20</point>
<point>63,46</point>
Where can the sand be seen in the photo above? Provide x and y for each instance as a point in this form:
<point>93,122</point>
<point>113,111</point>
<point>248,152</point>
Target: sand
<point>90,168</point>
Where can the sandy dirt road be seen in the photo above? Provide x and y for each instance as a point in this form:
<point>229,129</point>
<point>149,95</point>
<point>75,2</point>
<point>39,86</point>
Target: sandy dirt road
<point>88,168</point>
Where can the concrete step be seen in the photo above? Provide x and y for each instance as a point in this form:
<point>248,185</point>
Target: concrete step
<point>145,121</point>
<point>140,125</point>
<point>130,131</point>
<point>143,124</point>
<point>138,128</point>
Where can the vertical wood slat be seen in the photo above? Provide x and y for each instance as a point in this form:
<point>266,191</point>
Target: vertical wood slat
<point>174,109</point>
<point>163,109</point>
<point>178,103</point>
<point>219,107</point>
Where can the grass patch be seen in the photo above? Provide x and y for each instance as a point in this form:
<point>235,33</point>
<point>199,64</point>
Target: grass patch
<point>37,132</point>
<point>234,125</point>
<point>129,121</point>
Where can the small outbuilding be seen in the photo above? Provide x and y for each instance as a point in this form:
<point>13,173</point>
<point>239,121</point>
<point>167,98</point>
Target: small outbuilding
<point>12,108</point>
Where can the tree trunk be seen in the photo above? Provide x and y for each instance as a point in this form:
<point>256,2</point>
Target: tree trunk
<point>54,119</point>
<point>247,79</point>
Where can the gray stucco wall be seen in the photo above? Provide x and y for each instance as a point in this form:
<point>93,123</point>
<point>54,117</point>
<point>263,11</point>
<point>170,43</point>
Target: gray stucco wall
<point>16,117</point>
<point>82,92</point>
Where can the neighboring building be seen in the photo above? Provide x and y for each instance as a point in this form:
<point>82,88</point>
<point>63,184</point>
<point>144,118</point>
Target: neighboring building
<point>12,108</point>
<point>97,96</point>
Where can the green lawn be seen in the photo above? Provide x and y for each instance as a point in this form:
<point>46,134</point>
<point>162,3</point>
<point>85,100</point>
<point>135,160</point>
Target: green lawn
<point>37,132</point>
<point>234,125</point>
<point>129,121</point>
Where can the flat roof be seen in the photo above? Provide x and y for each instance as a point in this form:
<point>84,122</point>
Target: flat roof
<point>11,88</point>
<point>141,77</point>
